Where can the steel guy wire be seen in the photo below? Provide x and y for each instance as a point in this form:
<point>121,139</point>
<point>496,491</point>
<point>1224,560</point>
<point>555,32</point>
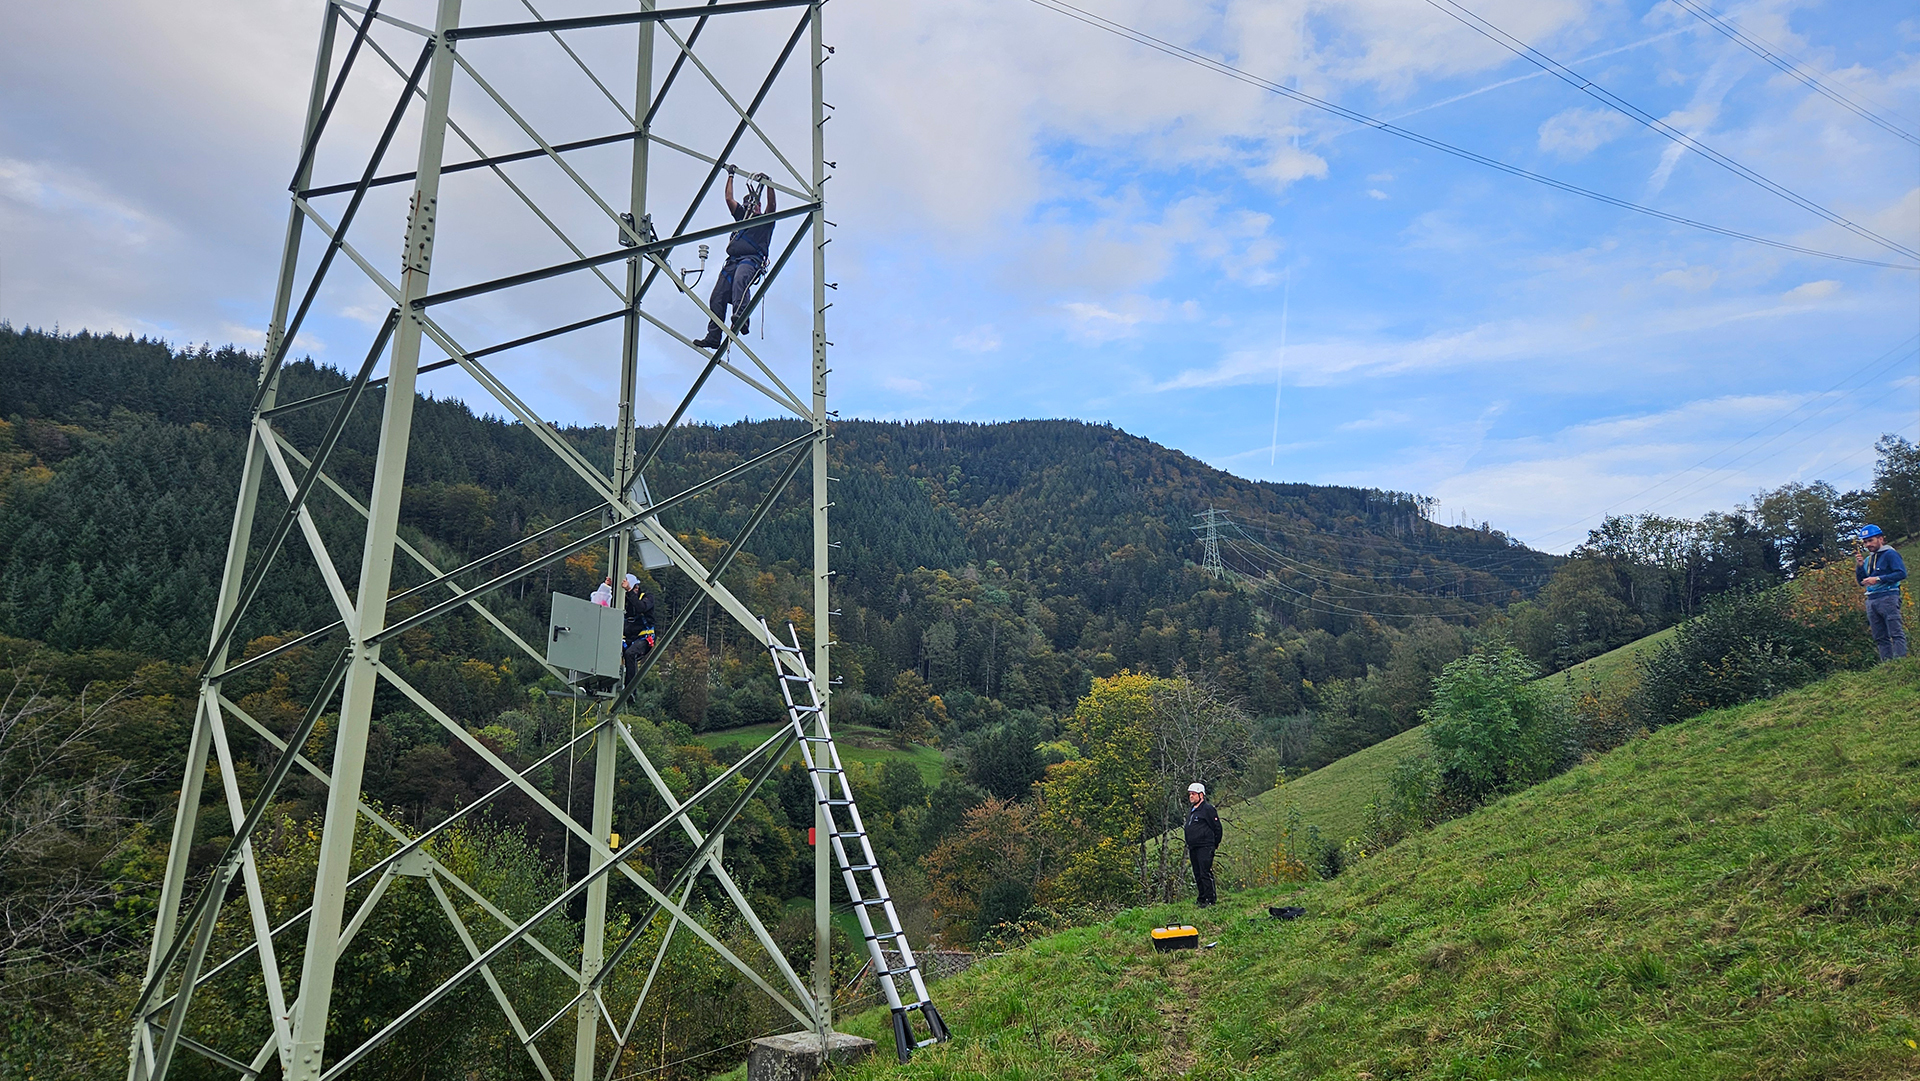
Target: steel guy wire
<point>1795,69</point>
<point>1579,82</point>
<point>1190,56</point>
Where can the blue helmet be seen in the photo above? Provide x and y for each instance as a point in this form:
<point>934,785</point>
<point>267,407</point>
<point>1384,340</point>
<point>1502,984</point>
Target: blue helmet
<point>1869,531</point>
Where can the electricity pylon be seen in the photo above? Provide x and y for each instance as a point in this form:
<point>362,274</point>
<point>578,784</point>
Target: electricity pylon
<point>1209,530</point>
<point>451,73</point>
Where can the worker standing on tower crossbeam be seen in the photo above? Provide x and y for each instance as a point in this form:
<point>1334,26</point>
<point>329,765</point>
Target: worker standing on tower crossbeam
<point>746,258</point>
<point>636,628</point>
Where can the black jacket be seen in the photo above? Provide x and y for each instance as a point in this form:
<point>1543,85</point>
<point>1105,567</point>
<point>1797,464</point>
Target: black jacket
<point>1203,826</point>
<point>638,616</point>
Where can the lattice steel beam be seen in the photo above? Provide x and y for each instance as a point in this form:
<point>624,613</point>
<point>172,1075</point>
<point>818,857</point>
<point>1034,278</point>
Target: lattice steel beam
<point>438,85</point>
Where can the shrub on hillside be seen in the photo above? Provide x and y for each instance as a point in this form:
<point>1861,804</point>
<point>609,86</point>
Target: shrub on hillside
<point>1826,600</point>
<point>1493,728</point>
<point>1410,802</point>
<point>1745,646</point>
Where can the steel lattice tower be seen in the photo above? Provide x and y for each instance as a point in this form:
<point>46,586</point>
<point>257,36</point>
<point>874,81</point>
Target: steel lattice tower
<point>1209,530</point>
<point>447,69</point>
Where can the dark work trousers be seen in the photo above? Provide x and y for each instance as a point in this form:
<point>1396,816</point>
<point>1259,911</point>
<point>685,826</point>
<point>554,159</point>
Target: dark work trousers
<point>1203,872</point>
<point>730,290</point>
<point>632,652</point>
<point>1883,620</point>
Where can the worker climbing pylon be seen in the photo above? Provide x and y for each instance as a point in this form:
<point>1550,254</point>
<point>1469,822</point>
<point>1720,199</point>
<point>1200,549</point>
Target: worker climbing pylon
<point>746,258</point>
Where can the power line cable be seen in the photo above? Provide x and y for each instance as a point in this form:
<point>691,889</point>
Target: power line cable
<point>1405,594</point>
<point>1898,352</point>
<point>1313,573</point>
<point>1220,67</point>
<point>1310,572</point>
<point>1587,86</point>
<point>1863,407</point>
<point>1335,569</point>
<point>1812,82</point>
<point>1446,553</point>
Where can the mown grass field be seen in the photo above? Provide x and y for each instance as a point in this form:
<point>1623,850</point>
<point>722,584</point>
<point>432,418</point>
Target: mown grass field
<point>867,746</point>
<point>1737,896</point>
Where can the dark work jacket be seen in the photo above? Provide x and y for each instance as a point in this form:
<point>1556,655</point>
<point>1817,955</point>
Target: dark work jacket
<point>638,616</point>
<point>752,242</point>
<point>1203,826</point>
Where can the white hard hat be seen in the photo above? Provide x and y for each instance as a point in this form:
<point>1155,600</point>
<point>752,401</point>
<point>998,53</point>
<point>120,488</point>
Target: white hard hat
<point>632,580</point>
<point>1197,787</point>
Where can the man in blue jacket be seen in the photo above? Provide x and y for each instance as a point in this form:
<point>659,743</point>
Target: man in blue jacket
<point>1203,837</point>
<point>1881,570</point>
<point>746,258</point>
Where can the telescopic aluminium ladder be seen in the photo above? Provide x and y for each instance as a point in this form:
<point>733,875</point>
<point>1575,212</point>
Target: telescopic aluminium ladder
<point>853,850</point>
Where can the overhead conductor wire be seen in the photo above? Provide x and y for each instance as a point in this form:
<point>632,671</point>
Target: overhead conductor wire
<point>1898,354</point>
<point>1813,82</point>
<point>1190,56</point>
<point>1587,86</point>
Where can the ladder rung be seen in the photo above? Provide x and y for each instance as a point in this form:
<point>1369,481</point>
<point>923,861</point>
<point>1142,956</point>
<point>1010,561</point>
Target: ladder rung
<point>838,802</point>
<point>877,936</point>
<point>877,901</point>
<point>826,769</point>
<point>896,972</point>
<point>816,739</point>
<point>862,867</point>
<point>848,833</point>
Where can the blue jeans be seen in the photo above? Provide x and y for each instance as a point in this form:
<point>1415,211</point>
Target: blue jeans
<point>1883,620</point>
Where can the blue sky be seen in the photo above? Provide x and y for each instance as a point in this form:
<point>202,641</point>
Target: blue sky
<point>1041,219</point>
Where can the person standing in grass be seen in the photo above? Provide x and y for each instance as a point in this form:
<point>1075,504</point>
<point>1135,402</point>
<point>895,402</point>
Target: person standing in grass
<point>1881,570</point>
<point>1203,837</point>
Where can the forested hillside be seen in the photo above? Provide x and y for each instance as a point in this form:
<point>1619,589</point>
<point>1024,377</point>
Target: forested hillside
<point>999,567</point>
<point>988,576</point>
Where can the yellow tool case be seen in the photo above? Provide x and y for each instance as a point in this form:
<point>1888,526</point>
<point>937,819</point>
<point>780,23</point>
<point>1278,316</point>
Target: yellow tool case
<point>1176,938</point>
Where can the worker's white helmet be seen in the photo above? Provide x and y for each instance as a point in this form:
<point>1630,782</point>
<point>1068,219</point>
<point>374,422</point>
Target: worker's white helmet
<point>1197,787</point>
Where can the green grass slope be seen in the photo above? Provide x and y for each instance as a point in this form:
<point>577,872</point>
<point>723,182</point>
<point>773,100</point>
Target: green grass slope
<point>1333,798</point>
<point>867,746</point>
<point>1733,897</point>
<point>1616,666</point>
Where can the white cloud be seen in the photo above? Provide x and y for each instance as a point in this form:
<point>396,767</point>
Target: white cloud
<point>1810,292</point>
<point>1692,279</point>
<point>1290,163</point>
<point>1575,133</point>
<point>1100,323</point>
<point>981,339</point>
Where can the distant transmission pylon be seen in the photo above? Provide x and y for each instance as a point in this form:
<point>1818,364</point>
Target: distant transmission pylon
<point>1209,530</point>
<point>458,80</point>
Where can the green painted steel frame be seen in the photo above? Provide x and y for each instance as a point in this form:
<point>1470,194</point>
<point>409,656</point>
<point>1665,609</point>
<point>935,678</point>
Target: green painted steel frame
<point>179,962</point>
